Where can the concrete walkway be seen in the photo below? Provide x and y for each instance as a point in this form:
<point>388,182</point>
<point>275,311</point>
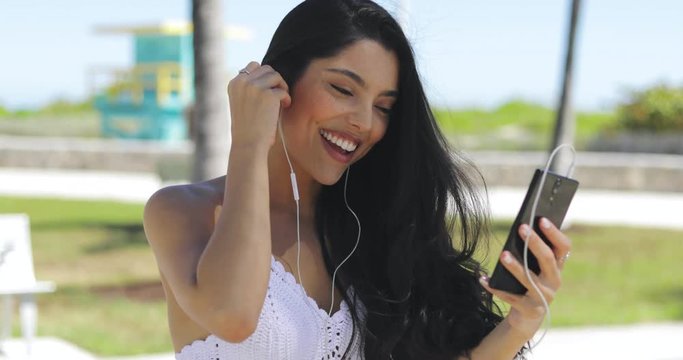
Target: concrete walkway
<point>635,342</point>
<point>662,210</point>
<point>42,349</point>
<point>643,341</point>
<point>603,207</point>
<point>77,184</point>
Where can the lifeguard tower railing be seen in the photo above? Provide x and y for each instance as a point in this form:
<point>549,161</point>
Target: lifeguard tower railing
<point>148,100</point>
<point>163,81</point>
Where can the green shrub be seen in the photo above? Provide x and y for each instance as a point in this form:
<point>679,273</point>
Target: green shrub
<point>66,107</point>
<point>58,107</point>
<point>657,109</point>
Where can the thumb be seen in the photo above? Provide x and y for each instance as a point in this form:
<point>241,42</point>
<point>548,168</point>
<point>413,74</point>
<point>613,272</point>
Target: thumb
<point>286,100</point>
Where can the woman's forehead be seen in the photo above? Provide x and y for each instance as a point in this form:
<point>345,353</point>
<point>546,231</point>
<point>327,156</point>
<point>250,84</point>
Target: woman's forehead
<point>375,65</point>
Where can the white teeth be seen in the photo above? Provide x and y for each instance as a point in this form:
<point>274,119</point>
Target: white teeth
<point>344,144</point>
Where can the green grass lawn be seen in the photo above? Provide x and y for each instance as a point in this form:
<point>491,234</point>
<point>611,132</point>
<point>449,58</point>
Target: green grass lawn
<point>110,303</point>
<point>616,275</point>
<point>515,125</point>
<point>108,300</point>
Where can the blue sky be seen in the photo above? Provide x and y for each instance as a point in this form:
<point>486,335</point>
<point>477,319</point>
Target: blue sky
<point>470,53</point>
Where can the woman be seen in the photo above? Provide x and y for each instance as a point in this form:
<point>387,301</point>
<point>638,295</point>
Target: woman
<point>339,78</point>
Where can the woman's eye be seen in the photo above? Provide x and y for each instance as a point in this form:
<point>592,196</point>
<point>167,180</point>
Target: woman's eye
<point>341,90</point>
<point>384,111</point>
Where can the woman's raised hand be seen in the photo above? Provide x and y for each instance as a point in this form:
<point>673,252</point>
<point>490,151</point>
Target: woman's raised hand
<point>527,311</point>
<point>256,95</point>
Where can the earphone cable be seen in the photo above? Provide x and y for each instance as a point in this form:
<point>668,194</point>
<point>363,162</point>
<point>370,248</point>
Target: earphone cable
<point>295,193</point>
<point>532,216</point>
<point>346,181</point>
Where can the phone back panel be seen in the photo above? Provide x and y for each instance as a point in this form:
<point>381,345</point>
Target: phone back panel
<point>556,195</point>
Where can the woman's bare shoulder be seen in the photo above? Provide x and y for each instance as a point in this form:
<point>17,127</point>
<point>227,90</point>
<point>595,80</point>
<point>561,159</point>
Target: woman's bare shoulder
<point>186,204</point>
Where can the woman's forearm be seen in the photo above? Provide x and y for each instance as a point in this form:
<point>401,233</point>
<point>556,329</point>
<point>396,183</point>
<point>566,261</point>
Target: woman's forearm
<point>236,262</point>
<point>503,342</point>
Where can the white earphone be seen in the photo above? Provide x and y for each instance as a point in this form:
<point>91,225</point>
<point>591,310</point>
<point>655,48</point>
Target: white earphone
<point>295,193</point>
<point>532,216</point>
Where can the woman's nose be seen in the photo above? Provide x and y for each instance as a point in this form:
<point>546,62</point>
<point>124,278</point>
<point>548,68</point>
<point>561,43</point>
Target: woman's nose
<point>362,118</point>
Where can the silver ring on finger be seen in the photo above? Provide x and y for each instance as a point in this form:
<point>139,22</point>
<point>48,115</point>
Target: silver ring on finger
<point>244,71</point>
<point>563,259</point>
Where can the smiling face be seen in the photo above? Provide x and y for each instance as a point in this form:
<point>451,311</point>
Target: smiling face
<point>340,109</point>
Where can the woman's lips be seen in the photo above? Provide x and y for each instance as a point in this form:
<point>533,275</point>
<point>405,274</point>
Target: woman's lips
<point>336,152</point>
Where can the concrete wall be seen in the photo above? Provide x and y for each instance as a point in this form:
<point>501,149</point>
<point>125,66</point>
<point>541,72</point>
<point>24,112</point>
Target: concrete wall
<point>671,143</point>
<point>617,171</point>
<point>170,160</point>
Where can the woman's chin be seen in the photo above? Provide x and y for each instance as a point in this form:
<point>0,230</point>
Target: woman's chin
<point>330,179</point>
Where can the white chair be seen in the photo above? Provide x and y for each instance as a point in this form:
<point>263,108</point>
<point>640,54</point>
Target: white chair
<point>17,278</point>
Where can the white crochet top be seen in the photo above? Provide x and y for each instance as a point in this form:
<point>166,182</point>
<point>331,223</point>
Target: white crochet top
<point>291,326</point>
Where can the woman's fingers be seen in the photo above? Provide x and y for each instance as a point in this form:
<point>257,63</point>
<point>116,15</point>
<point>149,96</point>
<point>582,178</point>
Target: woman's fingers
<point>265,77</point>
<point>543,253</point>
<point>250,68</point>
<point>528,310</point>
<point>562,245</point>
<point>516,268</point>
<point>257,95</point>
<point>508,297</point>
<point>283,95</point>
<point>271,79</point>
<point>531,306</point>
<point>268,77</point>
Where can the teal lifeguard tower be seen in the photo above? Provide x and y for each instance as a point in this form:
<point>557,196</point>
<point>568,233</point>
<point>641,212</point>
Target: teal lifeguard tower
<point>148,101</point>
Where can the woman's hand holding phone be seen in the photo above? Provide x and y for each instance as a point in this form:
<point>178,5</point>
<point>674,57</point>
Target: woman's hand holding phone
<point>256,95</point>
<point>527,310</point>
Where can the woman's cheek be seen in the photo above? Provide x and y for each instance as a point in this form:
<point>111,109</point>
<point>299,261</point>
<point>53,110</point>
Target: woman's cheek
<point>379,129</point>
<point>329,103</point>
<point>318,107</point>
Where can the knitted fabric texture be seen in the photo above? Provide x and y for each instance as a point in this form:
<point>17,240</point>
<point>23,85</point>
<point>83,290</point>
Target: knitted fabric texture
<point>291,326</point>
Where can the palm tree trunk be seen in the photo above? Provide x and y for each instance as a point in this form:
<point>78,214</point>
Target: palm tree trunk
<point>210,115</point>
<point>565,122</point>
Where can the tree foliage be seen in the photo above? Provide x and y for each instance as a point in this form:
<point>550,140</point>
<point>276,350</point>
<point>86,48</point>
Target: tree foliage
<point>655,109</point>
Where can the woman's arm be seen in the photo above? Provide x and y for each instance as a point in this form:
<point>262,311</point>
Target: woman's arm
<point>504,342</point>
<point>526,311</point>
<point>219,276</point>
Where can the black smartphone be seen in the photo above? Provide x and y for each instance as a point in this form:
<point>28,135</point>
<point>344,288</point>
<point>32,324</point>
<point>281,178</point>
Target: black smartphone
<point>557,193</point>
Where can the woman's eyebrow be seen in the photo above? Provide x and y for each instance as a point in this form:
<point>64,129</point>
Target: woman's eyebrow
<point>355,77</point>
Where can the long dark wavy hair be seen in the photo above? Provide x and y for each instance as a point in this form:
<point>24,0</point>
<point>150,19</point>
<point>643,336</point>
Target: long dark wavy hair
<point>418,284</point>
